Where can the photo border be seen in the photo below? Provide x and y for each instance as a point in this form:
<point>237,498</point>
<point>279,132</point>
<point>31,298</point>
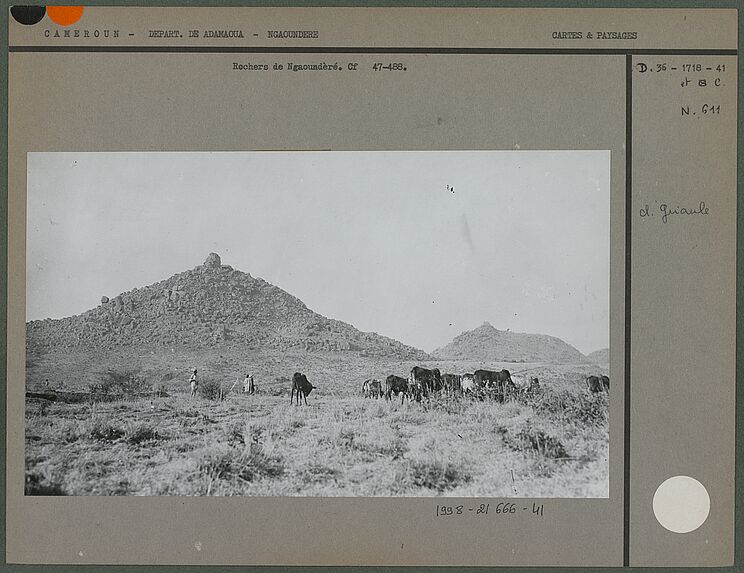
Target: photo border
<point>739,519</point>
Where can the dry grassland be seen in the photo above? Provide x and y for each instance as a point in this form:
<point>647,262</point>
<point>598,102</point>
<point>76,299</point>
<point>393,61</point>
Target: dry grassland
<point>551,444</point>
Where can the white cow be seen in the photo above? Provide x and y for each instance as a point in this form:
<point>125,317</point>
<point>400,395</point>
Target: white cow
<point>468,383</point>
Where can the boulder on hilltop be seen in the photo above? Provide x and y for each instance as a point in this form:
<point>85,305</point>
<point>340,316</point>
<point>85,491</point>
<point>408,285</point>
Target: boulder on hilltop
<point>213,261</point>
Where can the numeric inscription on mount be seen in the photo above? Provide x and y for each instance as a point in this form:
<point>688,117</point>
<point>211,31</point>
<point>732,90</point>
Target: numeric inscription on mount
<point>699,83</point>
<point>709,109</point>
<point>502,509</point>
<point>642,67</point>
<point>389,66</point>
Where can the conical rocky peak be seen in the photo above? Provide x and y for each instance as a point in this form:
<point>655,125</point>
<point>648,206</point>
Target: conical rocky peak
<point>209,305</point>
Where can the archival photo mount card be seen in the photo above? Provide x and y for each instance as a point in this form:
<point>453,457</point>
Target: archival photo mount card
<point>308,286</point>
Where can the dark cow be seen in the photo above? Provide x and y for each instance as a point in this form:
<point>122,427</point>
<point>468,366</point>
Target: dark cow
<point>374,388</point>
<point>597,384</point>
<point>301,386</point>
<point>500,381</point>
<point>396,385</point>
<point>430,381</point>
<point>365,389</point>
<point>452,383</point>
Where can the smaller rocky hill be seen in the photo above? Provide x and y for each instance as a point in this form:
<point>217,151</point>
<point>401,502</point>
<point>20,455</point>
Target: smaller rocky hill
<point>487,343</point>
<point>600,356</point>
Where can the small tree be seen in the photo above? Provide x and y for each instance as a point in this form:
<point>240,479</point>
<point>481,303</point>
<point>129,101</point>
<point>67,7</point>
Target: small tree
<point>126,383</point>
<point>210,389</point>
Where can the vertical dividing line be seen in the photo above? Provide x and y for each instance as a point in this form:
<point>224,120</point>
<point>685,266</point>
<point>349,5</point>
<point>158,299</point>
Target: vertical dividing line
<point>628,228</point>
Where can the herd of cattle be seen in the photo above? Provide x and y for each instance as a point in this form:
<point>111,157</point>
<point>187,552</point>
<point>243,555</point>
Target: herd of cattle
<point>423,382</point>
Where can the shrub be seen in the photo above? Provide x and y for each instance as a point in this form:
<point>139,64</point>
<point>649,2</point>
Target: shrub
<point>210,389</point>
<point>345,438</point>
<point>407,417</point>
<point>217,465</point>
<point>395,448</point>
<point>125,383</point>
<point>438,475</point>
<point>536,440</point>
<point>379,410</point>
<point>316,472</point>
<point>104,431</point>
<point>542,467</point>
<point>35,485</point>
<point>256,432</point>
<point>494,394</point>
<point>188,413</point>
<point>142,432</point>
<point>448,404</point>
<point>185,446</point>
<point>234,433</point>
<point>592,408</point>
<point>247,464</point>
<point>68,431</point>
<point>583,407</point>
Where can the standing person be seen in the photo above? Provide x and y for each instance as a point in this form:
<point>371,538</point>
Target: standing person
<point>248,385</point>
<point>194,381</point>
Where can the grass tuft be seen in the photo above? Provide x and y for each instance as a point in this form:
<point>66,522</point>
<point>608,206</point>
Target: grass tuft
<point>246,464</point>
<point>104,431</point>
<point>36,485</point>
<point>580,407</point>
<point>437,475</point>
<point>317,472</point>
<point>141,433</point>
<point>533,439</point>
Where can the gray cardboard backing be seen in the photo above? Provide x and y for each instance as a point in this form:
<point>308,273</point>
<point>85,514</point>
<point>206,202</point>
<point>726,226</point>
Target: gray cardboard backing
<point>682,407</point>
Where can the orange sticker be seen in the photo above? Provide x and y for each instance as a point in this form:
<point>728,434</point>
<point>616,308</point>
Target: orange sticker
<point>64,15</point>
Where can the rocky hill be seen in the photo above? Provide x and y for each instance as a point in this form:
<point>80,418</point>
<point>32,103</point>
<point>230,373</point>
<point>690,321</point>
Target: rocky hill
<point>486,343</point>
<point>600,356</point>
<point>212,304</point>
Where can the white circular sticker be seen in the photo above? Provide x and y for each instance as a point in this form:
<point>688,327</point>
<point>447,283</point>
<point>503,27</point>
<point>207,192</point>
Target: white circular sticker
<point>681,504</point>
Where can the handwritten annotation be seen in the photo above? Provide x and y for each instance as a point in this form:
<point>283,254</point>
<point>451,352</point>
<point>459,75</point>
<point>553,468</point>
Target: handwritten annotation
<point>668,212</point>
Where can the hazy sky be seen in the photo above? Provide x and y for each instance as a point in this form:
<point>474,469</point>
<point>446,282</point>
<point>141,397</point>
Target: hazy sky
<point>375,239</point>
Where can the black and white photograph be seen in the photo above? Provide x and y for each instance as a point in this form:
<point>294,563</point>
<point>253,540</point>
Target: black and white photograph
<point>320,323</point>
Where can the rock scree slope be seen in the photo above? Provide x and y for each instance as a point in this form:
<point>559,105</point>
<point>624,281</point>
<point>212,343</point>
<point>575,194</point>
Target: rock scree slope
<point>209,305</point>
